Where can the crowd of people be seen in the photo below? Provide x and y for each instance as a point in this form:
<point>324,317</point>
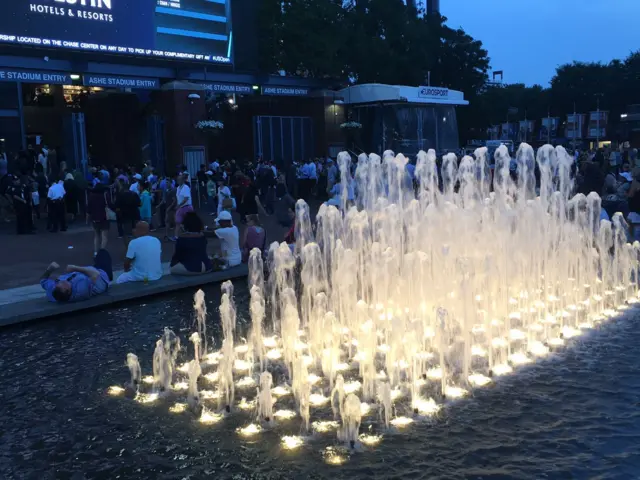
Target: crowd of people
<point>141,202</point>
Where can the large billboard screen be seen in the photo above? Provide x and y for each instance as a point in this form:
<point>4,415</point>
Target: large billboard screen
<point>198,30</point>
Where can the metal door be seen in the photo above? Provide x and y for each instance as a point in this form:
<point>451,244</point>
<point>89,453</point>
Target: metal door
<point>283,139</point>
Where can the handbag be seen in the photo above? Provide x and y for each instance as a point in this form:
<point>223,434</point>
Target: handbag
<point>111,215</point>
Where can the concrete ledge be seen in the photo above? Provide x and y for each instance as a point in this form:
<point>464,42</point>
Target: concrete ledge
<point>13,313</point>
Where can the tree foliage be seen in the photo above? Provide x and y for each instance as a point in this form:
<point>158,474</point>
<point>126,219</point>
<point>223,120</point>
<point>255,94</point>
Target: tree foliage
<point>364,41</point>
<point>578,85</point>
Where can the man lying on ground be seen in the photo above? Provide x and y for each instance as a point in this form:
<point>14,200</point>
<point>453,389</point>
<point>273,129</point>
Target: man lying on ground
<point>79,283</point>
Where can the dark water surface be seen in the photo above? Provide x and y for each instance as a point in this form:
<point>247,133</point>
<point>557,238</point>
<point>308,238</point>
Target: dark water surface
<point>575,416</point>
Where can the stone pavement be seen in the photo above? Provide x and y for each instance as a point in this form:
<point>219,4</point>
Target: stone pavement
<point>23,258</point>
<point>39,308</point>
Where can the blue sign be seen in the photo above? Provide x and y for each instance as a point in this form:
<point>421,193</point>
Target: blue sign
<point>227,88</point>
<point>288,91</point>
<point>111,81</point>
<point>10,75</point>
<point>184,30</point>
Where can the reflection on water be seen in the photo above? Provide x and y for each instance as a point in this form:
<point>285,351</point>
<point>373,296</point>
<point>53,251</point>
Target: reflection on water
<point>576,416</point>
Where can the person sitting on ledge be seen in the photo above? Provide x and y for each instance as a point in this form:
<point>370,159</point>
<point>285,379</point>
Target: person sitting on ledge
<point>255,236</point>
<point>190,254</point>
<point>229,237</point>
<point>143,260</point>
<point>79,283</point>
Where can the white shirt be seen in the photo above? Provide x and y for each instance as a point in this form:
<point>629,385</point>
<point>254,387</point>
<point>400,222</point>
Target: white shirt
<point>230,244</point>
<point>134,187</point>
<point>56,191</point>
<point>275,170</point>
<point>146,255</point>
<point>184,192</point>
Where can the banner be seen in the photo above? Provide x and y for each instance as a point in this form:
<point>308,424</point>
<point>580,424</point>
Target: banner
<point>227,87</point>
<point>286,91</point>
<point>179,29</point>
<point>433,93</point>
<point>34,76</point>
<point>110,81</point>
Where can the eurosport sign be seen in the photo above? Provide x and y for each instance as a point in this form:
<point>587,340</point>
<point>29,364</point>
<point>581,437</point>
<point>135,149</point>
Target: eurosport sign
<point>198,30</point>
<point>434,93</point>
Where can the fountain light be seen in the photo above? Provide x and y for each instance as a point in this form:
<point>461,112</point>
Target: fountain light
<point>585,325</point>
<point>250,430</point>
<point>341,367</point>
<point>180,386</point>
<point>516,334</point>
<point>352,387</point>
<point>454,392</point>
<point>434,373</point>
<point>115,390</point>
<point>212,376</point>
<point>370,440</point>
<point>213,358</point>
<point>556,342</point>
<point>479,380</point>
<point>291,442</point>
<point>333,457</point>
<point>381,375</point>
<point>317,399</point>
<point>241,365</point>
<point>208,417</point>
<point>284,414</point>
<point>280,391</point>
<point>244,405</point>
<point>478,351</point>
<point>609,312</point>
<point>149,379</point>
<point>184,368</point>
<point>324,426</point>
<point>313,379</point>
<point>178,407</point>
<point>244,348</point>
<point>519,358</point>
<point>501,369</point>
<point>396,393</point>
<point>498,342</point>
<point>245,382</point>
<point>384,348</point>
<point>146,397</point>
<point>538,349</point>
<point>270,342</point>
<point>308,360</point>
<point>400,422</point>
<point>426,406</point>
<point>570,332</point>
<point>274,354</point>
<point>209,395</point>
<point>365,408</point>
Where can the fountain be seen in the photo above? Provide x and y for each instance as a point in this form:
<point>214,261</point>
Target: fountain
<point>417,294</point>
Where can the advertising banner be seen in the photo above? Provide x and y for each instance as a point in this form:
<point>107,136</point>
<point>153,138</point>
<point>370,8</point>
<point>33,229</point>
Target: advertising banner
<point>285,91</point>
<point>198,30</point>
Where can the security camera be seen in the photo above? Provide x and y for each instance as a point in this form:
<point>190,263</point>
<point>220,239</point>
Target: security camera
<point>46,59</point>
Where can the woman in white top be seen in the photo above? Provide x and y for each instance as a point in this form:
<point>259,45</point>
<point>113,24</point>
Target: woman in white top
<point>225,200</point>
<point>184,204</point>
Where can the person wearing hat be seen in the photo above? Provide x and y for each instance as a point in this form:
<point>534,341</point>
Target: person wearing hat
<point>225,200</point>
<point>135,186</point>
<point>211,192</point>
<point>184,203</point>
<point>229,237</point>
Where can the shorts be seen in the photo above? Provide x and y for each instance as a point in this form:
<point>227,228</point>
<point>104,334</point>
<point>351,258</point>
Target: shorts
<point>181,212</point>
<point>102,226</point>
